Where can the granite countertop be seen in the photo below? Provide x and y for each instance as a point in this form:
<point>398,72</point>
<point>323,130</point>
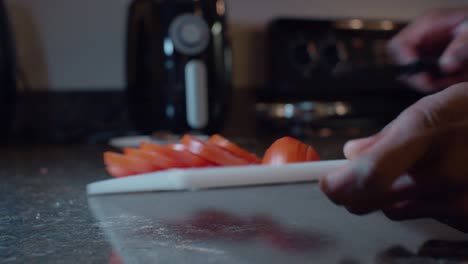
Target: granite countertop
<point>46,217</point>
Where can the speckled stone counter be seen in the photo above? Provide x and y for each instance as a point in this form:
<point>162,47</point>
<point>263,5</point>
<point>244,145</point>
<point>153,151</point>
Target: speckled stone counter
<point>46,217</point>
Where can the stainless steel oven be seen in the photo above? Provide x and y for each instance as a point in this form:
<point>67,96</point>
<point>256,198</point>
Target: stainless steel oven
<point>303,90</point>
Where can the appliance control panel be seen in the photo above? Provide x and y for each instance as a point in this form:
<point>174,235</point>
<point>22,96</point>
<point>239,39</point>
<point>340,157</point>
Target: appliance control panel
<point>190,34</point>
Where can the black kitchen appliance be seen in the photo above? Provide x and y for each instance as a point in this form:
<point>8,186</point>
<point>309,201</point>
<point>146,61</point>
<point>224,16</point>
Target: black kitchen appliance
<point>7,75</point>
<point>178,65</point>
<point>303,88</point>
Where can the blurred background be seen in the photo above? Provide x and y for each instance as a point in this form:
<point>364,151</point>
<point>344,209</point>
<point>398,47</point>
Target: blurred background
<point>79,45</point>
<point>71,54</point>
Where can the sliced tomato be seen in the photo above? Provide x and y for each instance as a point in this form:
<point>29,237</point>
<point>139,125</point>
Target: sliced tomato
<point>157,159</point>
<point>167,152</point>
<point>289,150</point>
<point>129,163</point>
<point>118,172</point>
<point>211,152</point>
<point>190,158</point>
<point>233,149</point>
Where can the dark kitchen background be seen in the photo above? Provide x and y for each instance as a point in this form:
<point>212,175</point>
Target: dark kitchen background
<point>71,65</point>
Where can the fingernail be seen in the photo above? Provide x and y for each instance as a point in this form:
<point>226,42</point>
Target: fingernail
<point>355,147</point>
<point>356,143</point>
<point>351,148</point>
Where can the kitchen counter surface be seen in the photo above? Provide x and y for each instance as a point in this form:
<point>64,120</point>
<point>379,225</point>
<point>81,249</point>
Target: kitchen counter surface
<point>46,217</point>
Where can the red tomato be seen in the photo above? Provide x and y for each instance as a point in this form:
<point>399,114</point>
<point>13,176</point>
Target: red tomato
<point>157,159</point>
<point>211,152</point>
<point>289,150</point>
<point>133,164</point>
<point>233,149</point>
<point>169,153</point>
<point>118,172</point>
<point>188,157</point>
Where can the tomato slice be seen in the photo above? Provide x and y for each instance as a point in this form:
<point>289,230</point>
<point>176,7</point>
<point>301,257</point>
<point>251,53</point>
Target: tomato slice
<point>190,158</point>
<point>157,159</point>
<point>289,150</point>
<point>211,152</point>
<point>167,152</point>
<point>233,149</point>
<point>118,172</point>
<point>129,163</point>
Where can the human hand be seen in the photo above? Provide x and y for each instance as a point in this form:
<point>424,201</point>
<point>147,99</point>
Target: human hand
<point>442,31</point>
<point>415,167</point>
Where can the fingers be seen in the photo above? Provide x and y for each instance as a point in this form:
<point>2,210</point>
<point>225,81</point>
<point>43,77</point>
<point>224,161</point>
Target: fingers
<point>452,155</point>
<point>404,188</point>
<point>424,82</point>
<point>451,210</point>
<point>367,183</point>
<point>441,83</point>
<point>408,210</point>
<point>431,31</point>
<point>403,50</point>
<point>428,36</point>
<point>455,56</point>
<point>355,148</point>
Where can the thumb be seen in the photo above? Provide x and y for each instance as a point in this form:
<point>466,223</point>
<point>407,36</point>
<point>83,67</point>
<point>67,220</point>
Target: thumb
<point>455,55</point>
<point>364,185</point>
<point>358,147</point>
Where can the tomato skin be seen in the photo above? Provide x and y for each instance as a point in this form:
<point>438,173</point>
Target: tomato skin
<point>167,152</point>
<point>190,158</point>
<point>211,152</point>
<point>193,152</point>
<point>289,150</point>
<point>157,159</point>
<point>233,149</point>
<point>133,164</point>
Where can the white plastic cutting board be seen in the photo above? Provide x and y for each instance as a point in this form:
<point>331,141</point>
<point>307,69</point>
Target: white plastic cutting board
<point>216,177</point>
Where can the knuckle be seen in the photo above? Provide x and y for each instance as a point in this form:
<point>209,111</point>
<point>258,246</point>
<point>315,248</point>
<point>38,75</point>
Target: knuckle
<point>459,49</point>
<point>423,114</point>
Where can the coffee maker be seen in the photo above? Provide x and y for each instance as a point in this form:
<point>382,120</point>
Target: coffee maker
<point>7,75</point>
<point>178,66</point>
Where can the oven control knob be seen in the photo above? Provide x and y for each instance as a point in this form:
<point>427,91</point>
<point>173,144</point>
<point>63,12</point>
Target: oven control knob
<point>190,34</point>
